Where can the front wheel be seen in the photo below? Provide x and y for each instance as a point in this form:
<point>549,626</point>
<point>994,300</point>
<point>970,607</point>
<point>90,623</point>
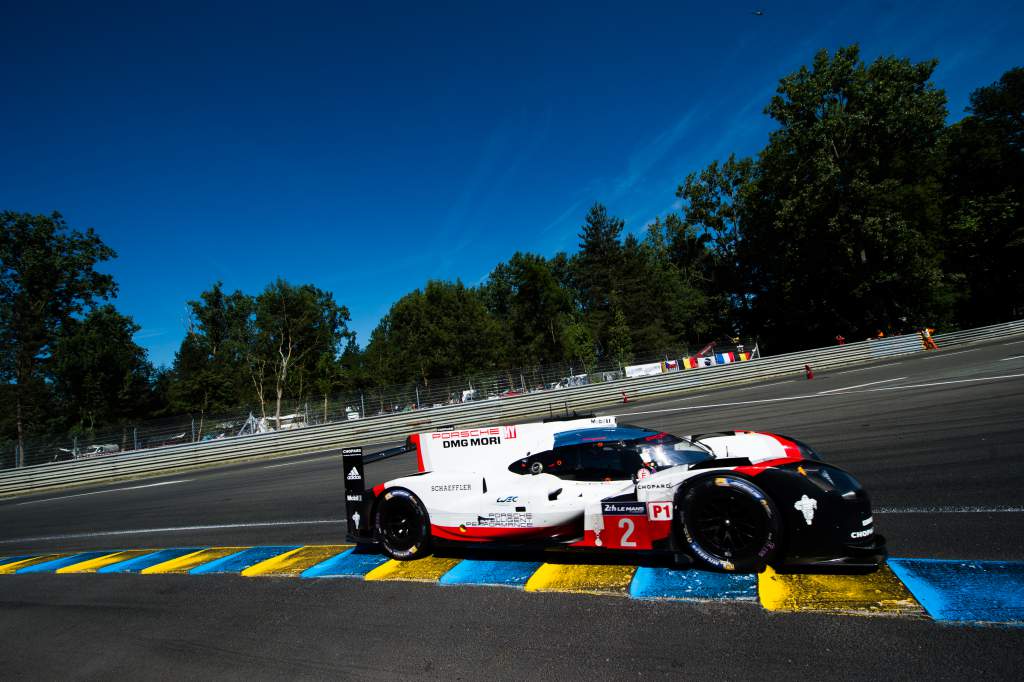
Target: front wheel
<point>402,525</point>
<point>729,523</point>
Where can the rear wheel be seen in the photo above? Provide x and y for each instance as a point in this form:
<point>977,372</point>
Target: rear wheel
<point>729,523</point>
<point>402,525</point>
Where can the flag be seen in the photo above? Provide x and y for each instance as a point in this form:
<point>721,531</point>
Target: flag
<point>670,366</point>
<point>725,358</point>
<point>709,361</point>
<point>690,363</point>
<point>744,357</point>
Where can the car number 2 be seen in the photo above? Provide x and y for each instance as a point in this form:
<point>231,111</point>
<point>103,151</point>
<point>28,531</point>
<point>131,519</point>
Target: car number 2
<point>627,526</point>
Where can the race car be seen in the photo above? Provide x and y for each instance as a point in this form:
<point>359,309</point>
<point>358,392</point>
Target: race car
<point>731,501</point>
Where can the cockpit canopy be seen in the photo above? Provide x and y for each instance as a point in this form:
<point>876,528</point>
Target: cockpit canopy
<point>611,454</point>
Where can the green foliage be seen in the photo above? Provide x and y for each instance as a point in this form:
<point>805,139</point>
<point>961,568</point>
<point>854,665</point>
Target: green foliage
<point>100,375</point>
<point>443,330</point>
<point>47,276</point>
<point>839,219</point>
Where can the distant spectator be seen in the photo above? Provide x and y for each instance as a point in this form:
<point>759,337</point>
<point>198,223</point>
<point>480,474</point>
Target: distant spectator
<point>926,339</point>
<point>840,339</point>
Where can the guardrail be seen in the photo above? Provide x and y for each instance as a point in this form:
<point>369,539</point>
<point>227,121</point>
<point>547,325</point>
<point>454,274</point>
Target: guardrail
<point>396,427</point>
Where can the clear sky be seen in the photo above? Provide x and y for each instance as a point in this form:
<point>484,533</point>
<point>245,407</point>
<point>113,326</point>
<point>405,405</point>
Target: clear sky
<point>368,147</point>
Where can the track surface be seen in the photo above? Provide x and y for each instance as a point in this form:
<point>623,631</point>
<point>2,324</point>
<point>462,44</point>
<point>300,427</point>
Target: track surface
<point>937,440</point>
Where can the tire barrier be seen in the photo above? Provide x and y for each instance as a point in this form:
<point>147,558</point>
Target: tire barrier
<point>392,428</point>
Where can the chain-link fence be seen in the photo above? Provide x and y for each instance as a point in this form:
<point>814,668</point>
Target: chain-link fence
<point>362,404</point>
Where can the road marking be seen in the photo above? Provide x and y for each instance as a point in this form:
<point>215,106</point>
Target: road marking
<point>862,369</point>
<point>588,578</point>
<point>1012,357</point>
<point>487,572</point>
<point>668,583</point>
<point>352,563</point>
<point>751,388</point>
<point>740,403</point>
<point>428,569</point>
<point>171,529</point>
<point>306,461</point>
<point>239,561</point>
<point>948,510</point>
<point>184,564</point>
<point>15,566</point>
<point>93,565</point>
<point>102,492</point>
<point>880,593</point>
<point>296,561</point>
<point>943,354</point>
<point>870,383</point>
<point>946,383</point>
<point>965,591</point>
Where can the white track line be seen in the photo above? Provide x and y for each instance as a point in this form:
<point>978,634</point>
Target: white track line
<point>870,383</point>
<point>172,529</point>
<point>862,369</point>
<point>943,354</point>
<point>944,383</point>
<point>103,492</point>
<point>1012,357</point>
<point>303,461</point>
<point>738,403</point>
<point>751,388</point>
<point>949,510</point>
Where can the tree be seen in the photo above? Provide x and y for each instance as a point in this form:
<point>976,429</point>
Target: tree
<point>297,327</point>
<point>100,375</point>
<point>212,368</point>
<point>984,189</point>
<point>47,277</point>
<point>596,268</point>
<point>841,217</point>
<point>525,296</point>
<point>441,331</point>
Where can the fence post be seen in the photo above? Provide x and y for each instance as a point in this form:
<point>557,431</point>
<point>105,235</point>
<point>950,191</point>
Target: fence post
<point>362,404</point>
<point>417,397</point>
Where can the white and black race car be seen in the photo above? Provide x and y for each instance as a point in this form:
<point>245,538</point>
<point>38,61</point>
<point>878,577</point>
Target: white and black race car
<point>734,501</point>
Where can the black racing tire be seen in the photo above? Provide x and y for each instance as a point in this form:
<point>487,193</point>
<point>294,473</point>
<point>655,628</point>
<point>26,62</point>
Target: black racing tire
<point>401,525</point>
<point>729,523</point>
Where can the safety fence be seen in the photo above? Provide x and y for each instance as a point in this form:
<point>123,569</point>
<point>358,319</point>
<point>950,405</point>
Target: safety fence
<point>394,428</point>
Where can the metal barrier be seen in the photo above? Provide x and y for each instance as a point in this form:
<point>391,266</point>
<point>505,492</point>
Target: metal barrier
<point>388,429</point>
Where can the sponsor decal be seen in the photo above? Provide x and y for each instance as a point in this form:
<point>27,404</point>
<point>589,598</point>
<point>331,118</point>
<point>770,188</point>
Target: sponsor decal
<point>354,498</point>
<point>351,451</point>
<point>507,500</point>
<point>806,506</point>
<point>450,487</point>
<point>655,486</point>
<point>471,442</point>
<point>867,521</point>
<point>502,520</point>
<point>355,519</point>
<point>659,511</point>
<point>353,475</point>
<point>467,433</point>
<point>861,533</point>
<point>509,432</point>
<point>623,508</point>
<point>740,484</point>
<point>601,420</point>
<point>642,474</point>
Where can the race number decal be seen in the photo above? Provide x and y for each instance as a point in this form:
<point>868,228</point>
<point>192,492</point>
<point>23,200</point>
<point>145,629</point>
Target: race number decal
<point>659,511</point>
<point>626,532</point>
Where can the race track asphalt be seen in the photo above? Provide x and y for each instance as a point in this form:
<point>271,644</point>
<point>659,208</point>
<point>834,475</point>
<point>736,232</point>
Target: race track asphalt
<point>937,440</point>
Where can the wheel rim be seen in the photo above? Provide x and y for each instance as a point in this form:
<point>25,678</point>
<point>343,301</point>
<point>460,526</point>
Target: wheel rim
<point>400,523</point>
<point>729,524</point>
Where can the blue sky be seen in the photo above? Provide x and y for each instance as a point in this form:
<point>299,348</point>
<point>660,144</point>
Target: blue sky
<point>366,148</point>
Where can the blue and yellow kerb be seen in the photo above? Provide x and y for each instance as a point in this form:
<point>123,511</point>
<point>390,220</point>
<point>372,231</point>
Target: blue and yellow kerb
<point>951,591</point>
